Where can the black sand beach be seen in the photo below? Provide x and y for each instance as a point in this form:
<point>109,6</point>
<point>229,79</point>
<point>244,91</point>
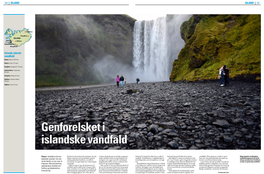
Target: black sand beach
<point>160,115</point>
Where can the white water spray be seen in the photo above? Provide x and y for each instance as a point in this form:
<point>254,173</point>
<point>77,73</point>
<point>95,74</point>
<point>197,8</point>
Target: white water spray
<point>156,44</point>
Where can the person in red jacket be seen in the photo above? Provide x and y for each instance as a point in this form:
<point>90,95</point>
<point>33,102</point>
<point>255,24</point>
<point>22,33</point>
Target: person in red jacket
<point>117,80</point>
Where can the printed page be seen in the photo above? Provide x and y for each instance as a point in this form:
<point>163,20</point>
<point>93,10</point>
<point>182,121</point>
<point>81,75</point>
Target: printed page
<point>120,87</point>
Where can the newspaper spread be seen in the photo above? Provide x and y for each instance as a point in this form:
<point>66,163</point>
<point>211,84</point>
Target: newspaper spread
<point>131,87</point>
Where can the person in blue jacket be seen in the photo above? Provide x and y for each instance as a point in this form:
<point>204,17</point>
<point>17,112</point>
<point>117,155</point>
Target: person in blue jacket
<point>121,80</point>
<point>137,80</point>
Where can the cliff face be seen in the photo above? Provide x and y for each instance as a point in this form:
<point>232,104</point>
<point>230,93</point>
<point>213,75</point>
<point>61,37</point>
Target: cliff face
<point>67,46</point>
<point>216,40</point>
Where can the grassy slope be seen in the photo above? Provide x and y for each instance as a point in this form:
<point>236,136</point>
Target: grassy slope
<point>232,40</point>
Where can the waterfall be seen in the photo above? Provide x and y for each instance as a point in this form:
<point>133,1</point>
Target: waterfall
<point>156,44</point>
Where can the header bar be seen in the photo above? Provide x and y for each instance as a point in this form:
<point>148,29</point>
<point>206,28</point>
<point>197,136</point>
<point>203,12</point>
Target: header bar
<point>137,2</point>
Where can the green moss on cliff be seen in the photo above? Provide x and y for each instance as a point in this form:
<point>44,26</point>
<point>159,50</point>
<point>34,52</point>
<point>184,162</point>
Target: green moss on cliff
<point>216,40</point>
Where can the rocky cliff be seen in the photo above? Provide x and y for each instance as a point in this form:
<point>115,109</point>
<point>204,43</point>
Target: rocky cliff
<point>216,40</point>
<point>67,46</point>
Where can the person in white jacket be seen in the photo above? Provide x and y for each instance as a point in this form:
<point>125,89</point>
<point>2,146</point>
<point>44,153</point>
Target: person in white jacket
<point>221,73</point>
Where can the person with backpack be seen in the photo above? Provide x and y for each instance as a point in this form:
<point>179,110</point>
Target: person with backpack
<point>117,80</point>
<point>121,80</point>
<point>137,80</point>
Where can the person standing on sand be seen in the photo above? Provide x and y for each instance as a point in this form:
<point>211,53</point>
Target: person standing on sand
<point>137,80</point>
<point>121,80</point>
<point>221,73</point>
<point>125,80</point>
<point>117,80</point>
<point>226,75</point>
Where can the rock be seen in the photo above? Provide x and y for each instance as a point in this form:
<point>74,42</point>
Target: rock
<point>157,138</point>
<point>244,130</point>
<point>208,127</point>
<point>150,134</point>
<point>130,91</point>
<point>133,113</point>
<point>183,126</point>
<point>200,146</point>
<point>208,142</point>
<point>62,116</point>
<point>78,118</point>
<point>167,125</point>
<point>222,123</point>
<point>254,145</point>
<point>188,104</point>
<point>198,141</point>
<point>249,136</point>
<point>153,128</point>
<point>250,122</point>
<point>227,139</point>
<point>193,148</point>
<point>221,146</point>
<point>173,134</point>
<point>114,148</point>
<point>150,138</point>
<point>184,146</point>
<point>238,120</point>
<point>173,145</point>
<point>114,130</point>
<point>238,134</point>
<point>141,126</point>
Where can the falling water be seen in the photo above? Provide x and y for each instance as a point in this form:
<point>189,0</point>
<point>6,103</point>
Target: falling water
<point>156,44</point>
